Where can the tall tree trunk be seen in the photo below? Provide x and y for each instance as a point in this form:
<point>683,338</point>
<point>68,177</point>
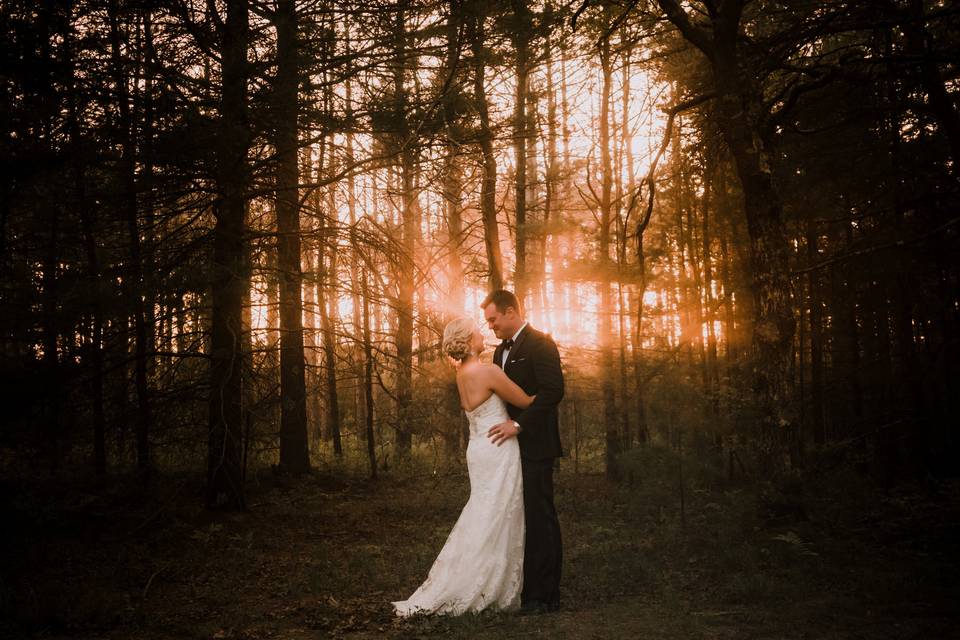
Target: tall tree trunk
<point>521,44</point>
<point>549,238</point>
<point>695,301</point>
<point>452,172</point>
<point>406,264</point>
<point>130,209</point>
<point>94,275</point>
<point>684,303</point>
<point>623,155</point>
<point>845,370</point>
<point>357,357</point>
<point>368,374</point>
<point>730,329</point>
<point>294,450</point>
<point>606,301</point>
<point>326,280</point>
<point>271,283</point>
<point>452,192</point>
<point>711,312</point>
<point>636,291</point>
<point>224,472</point>
<point>739,110</point>
<point>769,268</point>
<point>488,187</point>
<point>816,337</point>
<point>311,317</point>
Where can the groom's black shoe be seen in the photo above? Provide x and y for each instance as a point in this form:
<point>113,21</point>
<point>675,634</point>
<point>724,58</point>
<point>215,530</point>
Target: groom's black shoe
<point>537,607</point>
<point>532,608</point>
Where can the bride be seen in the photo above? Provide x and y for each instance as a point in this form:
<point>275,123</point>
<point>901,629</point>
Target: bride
<point>481,563</point>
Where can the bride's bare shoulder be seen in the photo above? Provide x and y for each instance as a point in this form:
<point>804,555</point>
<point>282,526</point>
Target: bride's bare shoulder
<point>472,370</point>
<point>478,370</point>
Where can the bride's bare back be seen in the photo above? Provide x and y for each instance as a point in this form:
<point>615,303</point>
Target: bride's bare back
<point>477,381</point>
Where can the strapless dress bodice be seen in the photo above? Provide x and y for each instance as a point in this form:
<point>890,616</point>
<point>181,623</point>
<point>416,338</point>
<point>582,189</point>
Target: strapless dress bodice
<point>488,413</point>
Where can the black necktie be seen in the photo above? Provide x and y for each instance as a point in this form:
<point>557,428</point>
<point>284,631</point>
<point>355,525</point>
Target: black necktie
<point>508,343</point>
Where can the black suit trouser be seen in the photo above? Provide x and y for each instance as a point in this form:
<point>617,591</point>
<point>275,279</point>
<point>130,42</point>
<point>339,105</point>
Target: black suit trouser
<point>542,553</point>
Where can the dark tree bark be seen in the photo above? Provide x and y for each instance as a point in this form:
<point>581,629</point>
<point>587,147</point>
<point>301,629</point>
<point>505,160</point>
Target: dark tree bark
<point>740,116</point>
<point>488,188</point>
<point>368,376</point>
<point>816,338</point>
<point>294,449</point>
<point>452,171</point>
<point>326,283</point>
<point>712,375</point>
<point>94,276</point>
<point>623,156</point>
<point>224,471</point>
<point>327,300</point>
<point>408,234</point>
<point>521,44</point>
<point>612,435</point>
<point>549,251</point>
<point>845,368</point>
<point>731,328</point>
<point>131,214</point>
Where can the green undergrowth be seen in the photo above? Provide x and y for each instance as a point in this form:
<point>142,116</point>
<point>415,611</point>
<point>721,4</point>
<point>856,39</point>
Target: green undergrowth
<point>798,556</point>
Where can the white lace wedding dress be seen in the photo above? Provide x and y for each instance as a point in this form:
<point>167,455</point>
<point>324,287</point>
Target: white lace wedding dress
<point>481,563</point>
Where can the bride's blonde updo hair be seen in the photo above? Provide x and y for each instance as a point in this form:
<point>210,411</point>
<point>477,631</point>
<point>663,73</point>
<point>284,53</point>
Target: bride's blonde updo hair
<point>457,336</point>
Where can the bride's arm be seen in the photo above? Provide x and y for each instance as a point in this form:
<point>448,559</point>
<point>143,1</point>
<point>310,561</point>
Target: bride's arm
<point>507,389</point>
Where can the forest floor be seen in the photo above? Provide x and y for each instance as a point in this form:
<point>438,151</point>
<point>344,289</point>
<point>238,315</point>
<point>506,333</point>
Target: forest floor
<point>319,557</point>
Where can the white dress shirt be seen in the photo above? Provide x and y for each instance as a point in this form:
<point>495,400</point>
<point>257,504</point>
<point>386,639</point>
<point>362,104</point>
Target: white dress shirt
<point>506,352</point>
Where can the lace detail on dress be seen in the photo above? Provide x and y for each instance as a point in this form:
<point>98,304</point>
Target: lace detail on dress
<point>481,563</point>
<point>486,414</point>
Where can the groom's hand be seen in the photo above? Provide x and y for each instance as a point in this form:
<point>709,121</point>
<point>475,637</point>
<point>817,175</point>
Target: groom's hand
<point>502,432</point>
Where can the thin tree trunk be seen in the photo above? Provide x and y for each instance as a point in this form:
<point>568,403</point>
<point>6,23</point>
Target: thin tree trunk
<point>711,313</point>
<point>730,328</point>
<point>521,34</point>
<point>695,302</point>
<point>621,251</point>
<point>357,348</point>
<point>326,279</point>
<point>311,316</point>
<point>816,338</point>
<point>452,172</point>
<point>549,239</point>
<point>408,233</point>
<point>368,375</point>
<point>637,291</point>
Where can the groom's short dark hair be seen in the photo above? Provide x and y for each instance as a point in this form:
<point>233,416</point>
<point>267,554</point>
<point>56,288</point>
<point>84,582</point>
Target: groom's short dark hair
<point>503,299</point>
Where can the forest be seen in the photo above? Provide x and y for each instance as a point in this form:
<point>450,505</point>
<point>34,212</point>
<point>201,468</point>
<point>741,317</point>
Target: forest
<point>232,233</point>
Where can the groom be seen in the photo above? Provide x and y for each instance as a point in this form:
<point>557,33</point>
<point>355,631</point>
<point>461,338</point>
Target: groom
<point>530,358</point>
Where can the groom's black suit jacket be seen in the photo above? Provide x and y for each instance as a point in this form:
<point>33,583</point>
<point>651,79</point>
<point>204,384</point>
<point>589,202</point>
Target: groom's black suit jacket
<point>534,364</point>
